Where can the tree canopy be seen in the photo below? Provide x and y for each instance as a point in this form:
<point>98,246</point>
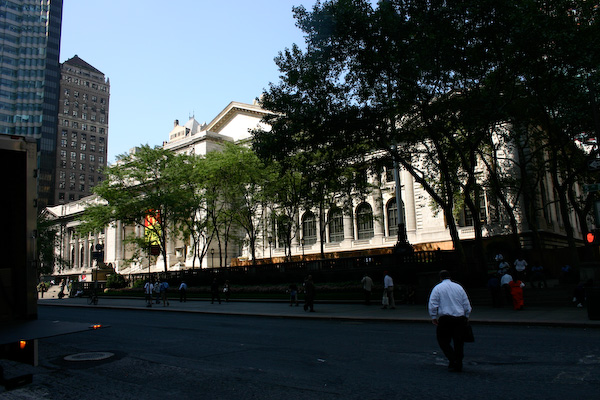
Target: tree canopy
<point>437,86</point>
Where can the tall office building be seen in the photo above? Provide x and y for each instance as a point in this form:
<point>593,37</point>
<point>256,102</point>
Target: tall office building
<point>82,129</point>
<point>29,80</point>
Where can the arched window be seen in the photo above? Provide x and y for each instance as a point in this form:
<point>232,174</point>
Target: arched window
<point>336,225</point>
<point>309,228</point>
<point>392,217</point>
<point>364,221</point>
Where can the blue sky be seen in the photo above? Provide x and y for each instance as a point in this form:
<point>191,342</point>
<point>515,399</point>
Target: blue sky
<point>171,60</point>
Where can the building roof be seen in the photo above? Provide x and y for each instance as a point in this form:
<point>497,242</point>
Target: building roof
<point>78,62</point>
<point>234,108</point>
<point>193,126</point>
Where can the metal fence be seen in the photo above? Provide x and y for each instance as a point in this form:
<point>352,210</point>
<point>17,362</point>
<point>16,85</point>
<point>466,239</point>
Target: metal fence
<point>404,268</point>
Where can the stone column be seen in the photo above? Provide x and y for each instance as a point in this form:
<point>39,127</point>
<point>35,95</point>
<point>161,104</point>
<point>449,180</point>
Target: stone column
<point>118,243</point>
<point>349,226</point>
<point>409,202</point>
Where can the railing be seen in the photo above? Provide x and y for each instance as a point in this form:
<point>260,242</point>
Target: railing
<point>403,267</point>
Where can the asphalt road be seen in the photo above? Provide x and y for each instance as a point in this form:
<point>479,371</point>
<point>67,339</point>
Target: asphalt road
<point>194,356</point>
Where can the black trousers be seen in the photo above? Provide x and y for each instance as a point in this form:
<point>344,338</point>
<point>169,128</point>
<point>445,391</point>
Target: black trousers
<point>215,295</point>
<point>450,336</point>
<point>309,302</point>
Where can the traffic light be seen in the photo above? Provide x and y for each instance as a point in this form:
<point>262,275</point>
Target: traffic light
<point>593,237</point>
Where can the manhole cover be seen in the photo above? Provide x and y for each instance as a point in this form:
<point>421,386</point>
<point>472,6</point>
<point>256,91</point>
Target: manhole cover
<point>96,356</point>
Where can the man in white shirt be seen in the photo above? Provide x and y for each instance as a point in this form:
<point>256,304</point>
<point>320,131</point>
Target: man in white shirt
<point>388,285</point>
<point>520,267</point>
<point>148,289</point>
<point>449,308</point>
<point>503,267</point>
<point>504,284</point>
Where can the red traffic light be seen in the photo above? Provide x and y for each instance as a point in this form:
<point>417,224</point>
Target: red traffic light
<point>593,237</point>
<point>590,237</point>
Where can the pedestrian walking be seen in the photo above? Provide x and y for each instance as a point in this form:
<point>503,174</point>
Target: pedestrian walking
<point>388,288</point>
<point>293,294</point>
<point>309,294</point>
<point>182,292</point>
<point>521,268</point>
<point>516,291</point>
<point>226,291</point>
<point>579,293</point>
<point>157,291</point>
<point>164,287</point>
<point>449,309</point>
<point>538,275</point>
<point>61,293</point>
<point>148,290</point>
<point>367,283</point>
<point>495,290</point>
<point>214,292</point>
<point>504,284</point>
<point>503,267</point>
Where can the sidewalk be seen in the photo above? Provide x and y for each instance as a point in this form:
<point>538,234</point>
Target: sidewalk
<point>542,316</point>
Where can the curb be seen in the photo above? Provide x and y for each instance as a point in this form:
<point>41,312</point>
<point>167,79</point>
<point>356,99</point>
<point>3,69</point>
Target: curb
<point>316,316</point>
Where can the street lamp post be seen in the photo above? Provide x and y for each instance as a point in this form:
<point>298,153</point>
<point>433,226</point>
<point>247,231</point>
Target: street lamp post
<point>402,245</point>
<point>302,244</point>
<point>212,258</point>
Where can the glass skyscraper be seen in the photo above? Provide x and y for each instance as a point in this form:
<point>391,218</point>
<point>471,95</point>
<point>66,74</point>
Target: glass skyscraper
<point>29,80</point>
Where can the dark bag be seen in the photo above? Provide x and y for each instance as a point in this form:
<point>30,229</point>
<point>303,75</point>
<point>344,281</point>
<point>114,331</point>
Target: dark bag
<point>468,337</point>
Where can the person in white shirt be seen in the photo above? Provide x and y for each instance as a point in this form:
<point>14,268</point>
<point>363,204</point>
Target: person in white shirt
<point>504,284</point>
<point>148,289</point>
<point>182,292</point>
<point>450,308</point>
<point>388,287</point>
<point>521,268</point>
<point>367,288</point>
<point>503,267</point>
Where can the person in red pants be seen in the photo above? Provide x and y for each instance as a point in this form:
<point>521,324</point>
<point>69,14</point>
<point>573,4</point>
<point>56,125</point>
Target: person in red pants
<point>516,291</point>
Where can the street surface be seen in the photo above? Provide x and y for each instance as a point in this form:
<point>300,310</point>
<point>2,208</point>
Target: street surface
<point>170,355</point>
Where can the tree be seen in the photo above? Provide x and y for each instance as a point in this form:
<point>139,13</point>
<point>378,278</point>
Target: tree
<point>358,90</point>
<point>429,84</point>
<point>244,188</point>
<point>285,205</point>
<point>220,208</point>
<point>553,60</point>
<point>191,204</point>
<point>47,242</point>
<point>137,191</point>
